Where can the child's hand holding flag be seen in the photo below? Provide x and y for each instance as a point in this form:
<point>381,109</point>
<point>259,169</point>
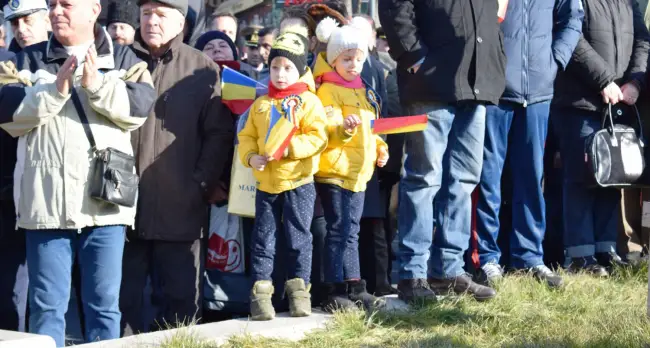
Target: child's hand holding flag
<point>382,157</point>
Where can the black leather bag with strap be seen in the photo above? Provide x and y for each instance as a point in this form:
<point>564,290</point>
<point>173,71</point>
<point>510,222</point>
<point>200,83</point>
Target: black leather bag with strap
<point>614,155</point>
<point>113,177</point>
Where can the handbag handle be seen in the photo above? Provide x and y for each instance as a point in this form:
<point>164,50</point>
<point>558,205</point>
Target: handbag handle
<point>612,129</point>
<point>84,120</point>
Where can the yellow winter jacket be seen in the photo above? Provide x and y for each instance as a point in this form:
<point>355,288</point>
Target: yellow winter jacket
<point>350,158</point>
<point>299,167</point>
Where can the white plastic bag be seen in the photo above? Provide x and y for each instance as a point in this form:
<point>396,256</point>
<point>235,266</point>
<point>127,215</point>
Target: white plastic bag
<point>226,241</point>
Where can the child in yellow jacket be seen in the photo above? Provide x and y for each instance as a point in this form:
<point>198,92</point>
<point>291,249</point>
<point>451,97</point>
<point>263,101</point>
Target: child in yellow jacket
<point>286,191</point>
<point>349,161</point>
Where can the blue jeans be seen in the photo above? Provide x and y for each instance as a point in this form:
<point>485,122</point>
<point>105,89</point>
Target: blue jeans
<point>527,127</point>
<point>441,169</point>
<point>343,209</point>
<point>290,213</point>
<point>590,214</point>
<point>50,254</point>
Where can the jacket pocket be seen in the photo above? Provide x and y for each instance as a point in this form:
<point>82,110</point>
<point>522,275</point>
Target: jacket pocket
<point>41,194</point>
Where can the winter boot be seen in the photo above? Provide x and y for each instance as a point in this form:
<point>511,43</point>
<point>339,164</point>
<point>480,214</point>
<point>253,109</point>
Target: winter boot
<point>299,297</point>
<point>261,306</point>
<point>336,297</point>
<point>358,294</point>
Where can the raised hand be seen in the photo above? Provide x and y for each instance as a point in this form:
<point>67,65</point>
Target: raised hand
<point>351,122</point>
<point>90,78</point>
<point>64,76</point>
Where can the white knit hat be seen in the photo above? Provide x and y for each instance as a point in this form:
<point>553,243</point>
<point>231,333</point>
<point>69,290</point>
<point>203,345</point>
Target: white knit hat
<point>340,39</point>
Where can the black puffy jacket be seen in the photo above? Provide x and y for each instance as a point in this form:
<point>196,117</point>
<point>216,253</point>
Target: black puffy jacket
<point>613,47</point>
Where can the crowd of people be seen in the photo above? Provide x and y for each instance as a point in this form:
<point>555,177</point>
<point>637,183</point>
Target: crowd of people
<point>143,78</point>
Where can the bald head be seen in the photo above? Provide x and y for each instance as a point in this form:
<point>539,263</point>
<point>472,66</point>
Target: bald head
<point>73,21</point>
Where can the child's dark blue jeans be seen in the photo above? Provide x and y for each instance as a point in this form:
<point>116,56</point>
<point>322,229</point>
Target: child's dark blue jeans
<point>343,209</point>
<point>289,212</point>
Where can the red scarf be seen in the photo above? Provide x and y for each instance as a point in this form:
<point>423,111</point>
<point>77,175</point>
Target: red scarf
<point>297,88</point>
<point>229,63</point>
<point>335,78</point>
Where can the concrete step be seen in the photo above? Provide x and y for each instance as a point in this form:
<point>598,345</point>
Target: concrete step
<point>282,327</point>
<point>12,339</point>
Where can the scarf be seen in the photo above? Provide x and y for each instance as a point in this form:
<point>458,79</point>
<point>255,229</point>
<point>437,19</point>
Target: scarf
<point>297,88</point>
<point>335,78</point>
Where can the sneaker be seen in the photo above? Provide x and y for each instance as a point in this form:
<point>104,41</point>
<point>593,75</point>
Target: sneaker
<point>463,284</point>
<point>357,293</point>
<point>545,275</point>
<point>299,297</point>
<point>493,272</point>
<point>336,297</point>
<point>261,306</point>
<point>588,265</point>
<point>414,290</point>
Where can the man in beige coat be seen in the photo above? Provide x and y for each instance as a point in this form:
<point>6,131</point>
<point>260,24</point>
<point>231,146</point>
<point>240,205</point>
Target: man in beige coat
<point>51,183</point>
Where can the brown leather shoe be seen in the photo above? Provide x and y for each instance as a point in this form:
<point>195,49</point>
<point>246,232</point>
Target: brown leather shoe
<point>463,284</point>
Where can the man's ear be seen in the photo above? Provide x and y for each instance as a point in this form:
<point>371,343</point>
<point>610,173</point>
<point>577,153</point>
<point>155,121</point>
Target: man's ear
<point>97,9</point>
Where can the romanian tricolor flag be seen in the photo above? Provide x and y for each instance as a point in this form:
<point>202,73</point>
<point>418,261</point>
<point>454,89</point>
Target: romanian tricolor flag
<point>402,124</point>
<point>278,136</point>
<point>238,91</point>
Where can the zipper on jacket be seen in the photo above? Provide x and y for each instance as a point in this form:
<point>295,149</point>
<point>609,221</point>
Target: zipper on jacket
<point>524,70</point>
<point>615,29</point>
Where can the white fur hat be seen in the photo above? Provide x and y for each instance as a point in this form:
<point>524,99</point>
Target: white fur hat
<point>340,39</point>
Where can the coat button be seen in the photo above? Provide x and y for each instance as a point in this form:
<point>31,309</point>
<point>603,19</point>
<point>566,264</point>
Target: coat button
<point>476,91</point>
<point>479,39</point>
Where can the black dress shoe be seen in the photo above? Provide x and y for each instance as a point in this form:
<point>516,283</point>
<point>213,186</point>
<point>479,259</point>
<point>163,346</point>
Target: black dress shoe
<point>610,260</point>
<point>385,291</point>
<point>588,265</point>
<point>415,290</point>
<point>463,284</point>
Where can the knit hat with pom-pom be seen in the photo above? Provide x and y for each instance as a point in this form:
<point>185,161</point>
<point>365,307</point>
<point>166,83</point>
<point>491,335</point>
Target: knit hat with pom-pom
<point>340,39</point>
<point>292,44</point>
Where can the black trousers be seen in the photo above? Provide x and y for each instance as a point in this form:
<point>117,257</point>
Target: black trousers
<point>375,255</point>
<point>176,273</point>
<point>13,273</point>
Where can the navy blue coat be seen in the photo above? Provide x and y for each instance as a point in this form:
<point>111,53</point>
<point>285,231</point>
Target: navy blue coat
<point>5,55</point>
<point>539,38</point>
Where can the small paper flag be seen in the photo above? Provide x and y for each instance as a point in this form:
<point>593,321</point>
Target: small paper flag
<point>278,135</point>
<point>404,124</point>
<point>238,91</point>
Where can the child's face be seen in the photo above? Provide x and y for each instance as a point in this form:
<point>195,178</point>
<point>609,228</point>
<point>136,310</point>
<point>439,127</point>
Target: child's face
<point>218,50</point>
<point>349,64</point>
<point>283,73</point>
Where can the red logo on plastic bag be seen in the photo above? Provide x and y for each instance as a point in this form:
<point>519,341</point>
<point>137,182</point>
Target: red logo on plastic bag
<point>223,255</point>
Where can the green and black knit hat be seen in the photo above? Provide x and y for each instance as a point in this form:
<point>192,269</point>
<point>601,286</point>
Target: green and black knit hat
<point>293,45</point>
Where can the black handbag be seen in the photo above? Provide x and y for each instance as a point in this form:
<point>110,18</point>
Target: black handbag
<point>113,179</point>
<point>615,154</point>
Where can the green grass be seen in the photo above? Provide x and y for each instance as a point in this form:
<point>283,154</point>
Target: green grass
<point>588,312</point>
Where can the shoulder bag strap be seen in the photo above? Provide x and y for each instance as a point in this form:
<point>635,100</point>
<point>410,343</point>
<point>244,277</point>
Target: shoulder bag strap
<point>84,120</point>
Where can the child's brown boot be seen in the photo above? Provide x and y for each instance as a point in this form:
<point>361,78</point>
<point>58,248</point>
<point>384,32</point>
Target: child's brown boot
<point>299,297</point>
<point>261,306</point>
